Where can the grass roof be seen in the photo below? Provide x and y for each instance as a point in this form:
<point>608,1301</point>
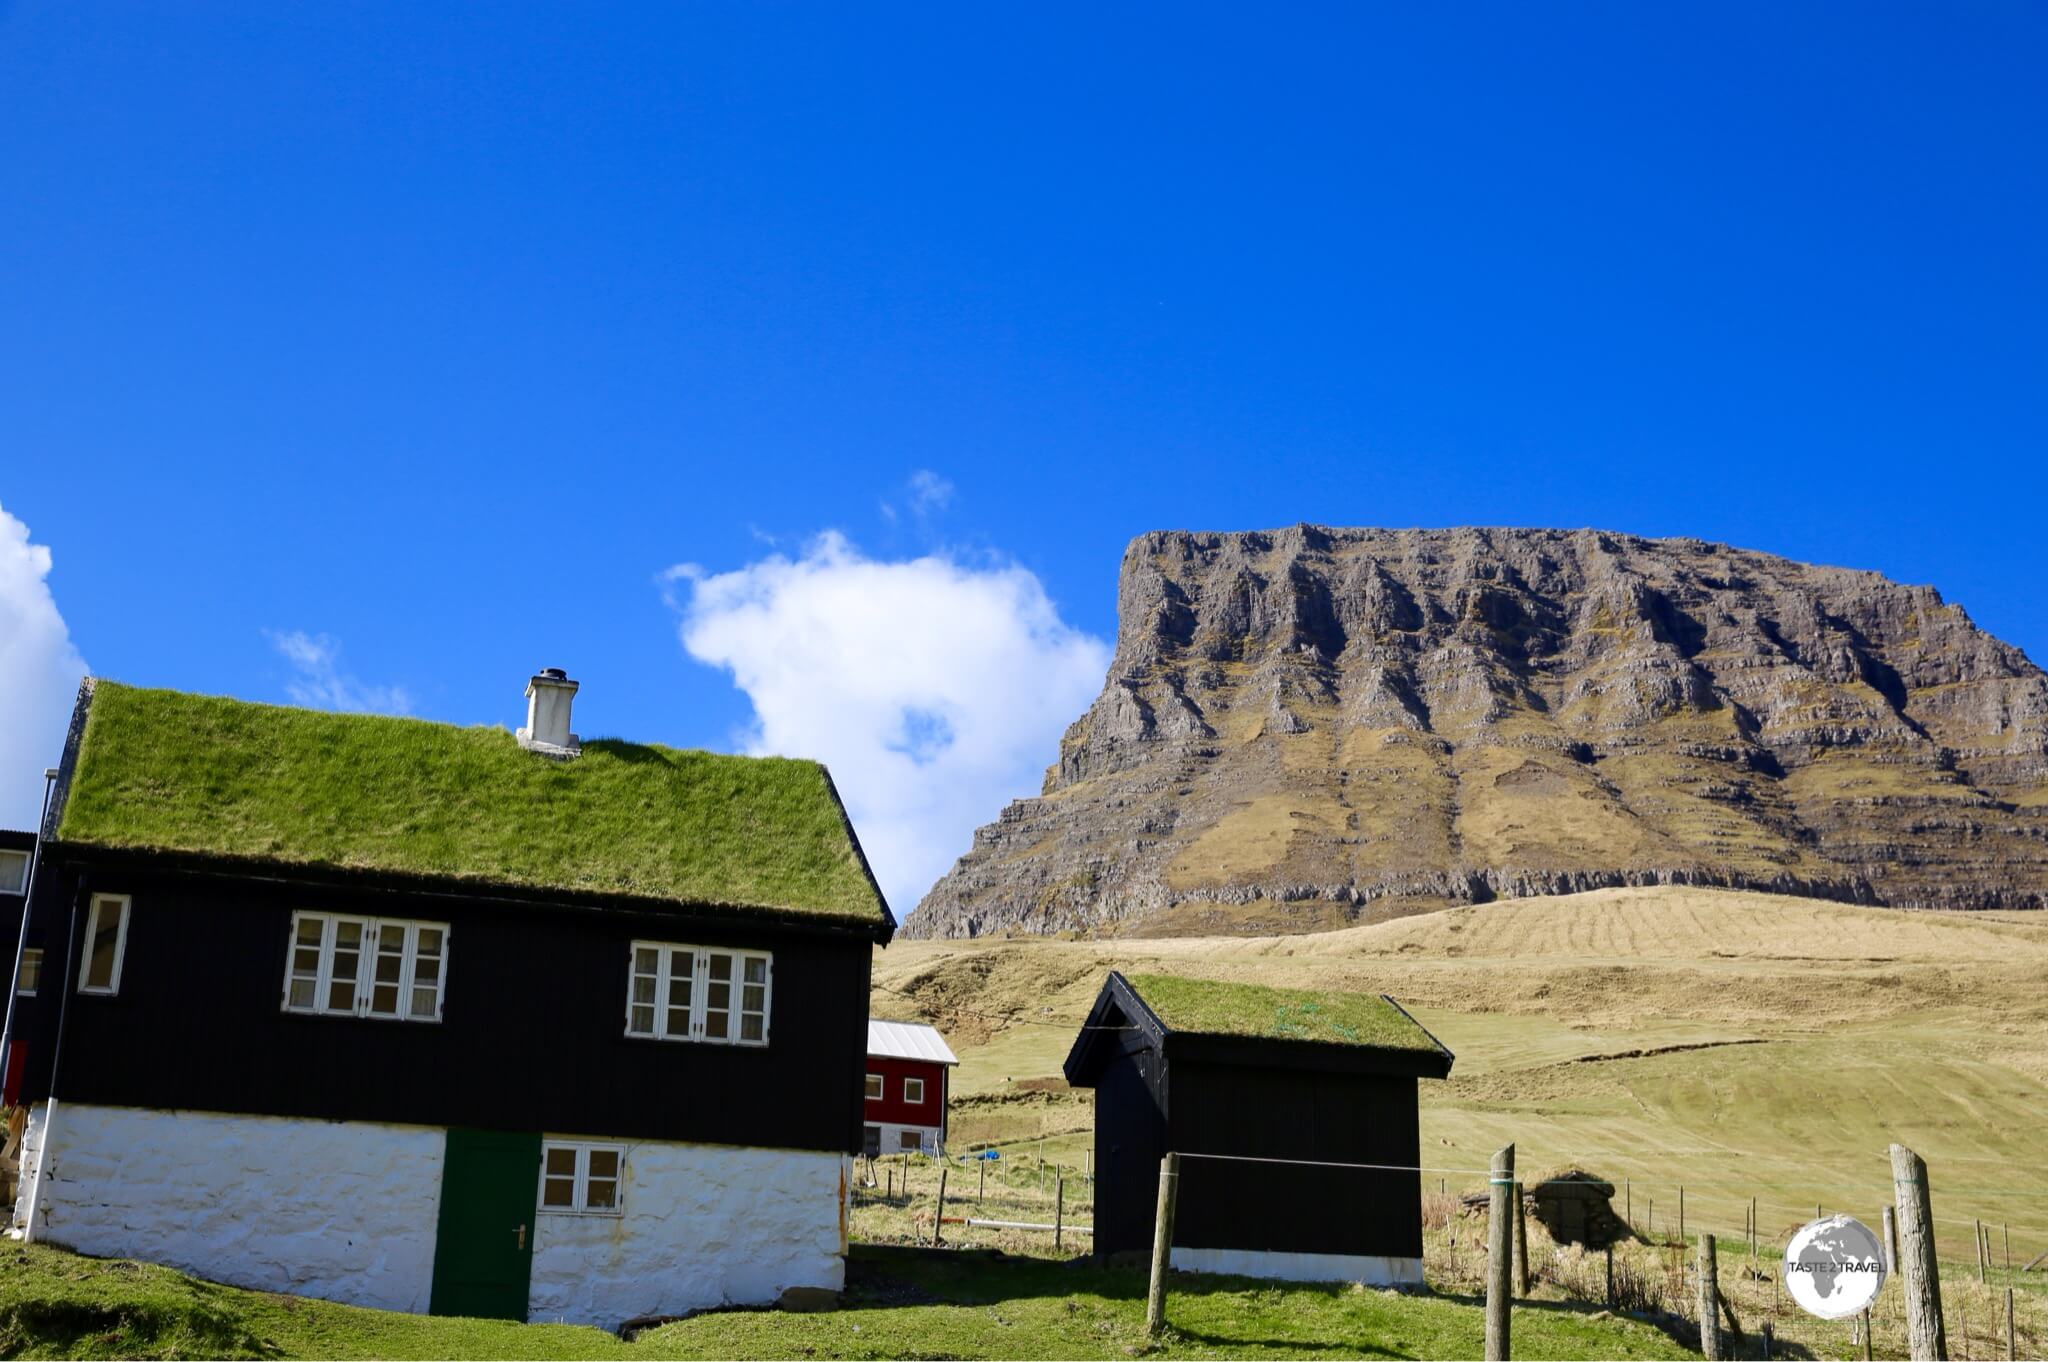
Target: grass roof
<point>163,770</point>
<point>1210,1007</point>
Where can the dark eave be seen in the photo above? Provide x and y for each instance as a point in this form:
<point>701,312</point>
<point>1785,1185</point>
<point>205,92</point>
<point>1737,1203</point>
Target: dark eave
<point>250,870</point>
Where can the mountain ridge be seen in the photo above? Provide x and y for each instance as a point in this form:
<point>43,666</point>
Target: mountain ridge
<point>1306,726</point>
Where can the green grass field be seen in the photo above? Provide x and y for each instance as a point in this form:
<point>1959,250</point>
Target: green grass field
<point>900,1303</point>
<point>1736,1045</point>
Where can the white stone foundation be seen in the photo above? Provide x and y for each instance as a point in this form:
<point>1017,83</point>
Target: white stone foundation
<point>348,1211</point>
<point>341,1210</point>
<point>1370,1268</point>
<point>704,1225</point>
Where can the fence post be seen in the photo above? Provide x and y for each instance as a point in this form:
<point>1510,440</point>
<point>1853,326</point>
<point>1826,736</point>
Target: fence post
<point>939,1215</point>
<point>1628,1204</point>
<point>1681,1213</point>
<point>1162,1243</point>
<point>981,1180</point>
<point>1891,1242</point>
<point>1059,1210</point>
<point>1710,1301</point>
<point>1521,1244</point>
<point>1610,1276</point>
<point>1499,1254</point>
<point>1983,1251</point>
<point>2012,1347</point>
<point>1926,1336</point>
<point>1767,1337</point>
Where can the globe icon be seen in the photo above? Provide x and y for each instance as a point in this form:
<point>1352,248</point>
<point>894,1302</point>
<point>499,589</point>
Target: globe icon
<point>1834,1267</point>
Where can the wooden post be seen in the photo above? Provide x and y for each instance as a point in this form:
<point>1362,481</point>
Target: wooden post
<point>1891,1242</point>
<point>1610,1276</point>
<point>981,1180</point>
<point>1867,1354</point>
<point>2006,1230</point>
<point>1752,1236</point>
<point>1521,1244</point>
<point>1650,1216</point>
<point>889,1193</point>
<point>2012,1347</point>
<point>1162,1243</point>
<point>1983,1251</point>
<point>939,1215</point>
<point>1628,1204</point>
<point>1499,1254</point>
<point>1927,1337</point>
<point>1767,1333</point>
<point>1681,1213</point>
<point>1710,1301</point>
<point>1059,1211</point>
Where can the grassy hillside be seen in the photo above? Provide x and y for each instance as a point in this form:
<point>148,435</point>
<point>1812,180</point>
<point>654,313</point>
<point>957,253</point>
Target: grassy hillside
<point>1743,1045</point>
<point>900,1304</point>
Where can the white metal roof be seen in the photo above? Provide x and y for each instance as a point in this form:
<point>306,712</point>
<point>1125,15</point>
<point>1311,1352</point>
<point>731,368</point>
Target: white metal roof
<point>908,1040</point>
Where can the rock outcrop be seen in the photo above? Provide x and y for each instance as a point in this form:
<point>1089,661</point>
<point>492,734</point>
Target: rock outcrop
<point>1309,725</point>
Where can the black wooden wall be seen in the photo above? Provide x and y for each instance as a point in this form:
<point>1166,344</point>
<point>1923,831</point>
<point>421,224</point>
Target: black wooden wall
<point>1130,1139</point>
<point>532,1036</point>
<point>1295,1114</point>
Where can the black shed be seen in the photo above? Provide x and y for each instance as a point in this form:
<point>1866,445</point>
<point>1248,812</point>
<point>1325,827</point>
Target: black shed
<point>1288,1081</point>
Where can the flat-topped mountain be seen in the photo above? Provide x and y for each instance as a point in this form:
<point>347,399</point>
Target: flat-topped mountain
<point>1307,726</point>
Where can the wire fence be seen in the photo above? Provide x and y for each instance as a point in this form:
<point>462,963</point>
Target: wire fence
<point>1027,1199</point>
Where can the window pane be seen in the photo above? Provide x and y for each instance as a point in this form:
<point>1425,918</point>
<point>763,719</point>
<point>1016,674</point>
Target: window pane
<point>31,971</point>
<point>721,966</point>
<point>751,1026</point>
<point>423,997</point>
<point>13,871</point>
<point>757,970</point>
<point>682,966</point>
<point>561,1161</point>
<point>643,988</point>
<point>430,941</point>
<point>641,1022</point>
<point>389,970</point>
<point>310,929</point>
<point>106,934</point>
<point>558,1192</point>
<point>348,954</point>
<point>604,1163</point>
<point>602,1194</point>
<point>646,960</point>
<point>874,1093</point>
<point>303,991</point>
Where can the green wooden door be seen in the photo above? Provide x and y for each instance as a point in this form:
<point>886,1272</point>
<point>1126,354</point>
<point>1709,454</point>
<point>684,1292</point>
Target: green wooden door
<point>483,1256</point>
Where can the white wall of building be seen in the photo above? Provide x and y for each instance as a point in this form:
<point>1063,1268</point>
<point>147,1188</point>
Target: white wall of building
<point>703,1225</point>
<point>1371,1268</point>
<point>893,1133</point>
<point>341,1210</point>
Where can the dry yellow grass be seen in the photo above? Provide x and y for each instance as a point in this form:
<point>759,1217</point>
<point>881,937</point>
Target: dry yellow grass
<point>1595,1029</point>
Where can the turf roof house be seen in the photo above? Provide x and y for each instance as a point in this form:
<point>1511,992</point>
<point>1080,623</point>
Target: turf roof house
<point>1290,1082</point>
<point>433,1018</point>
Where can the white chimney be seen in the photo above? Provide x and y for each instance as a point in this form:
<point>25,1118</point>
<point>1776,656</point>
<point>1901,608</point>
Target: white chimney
<point>548,698</point>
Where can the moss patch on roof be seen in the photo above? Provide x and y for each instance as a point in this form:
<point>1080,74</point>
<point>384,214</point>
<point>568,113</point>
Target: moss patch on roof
<point>163,770</point>
<point>1209,1007</point>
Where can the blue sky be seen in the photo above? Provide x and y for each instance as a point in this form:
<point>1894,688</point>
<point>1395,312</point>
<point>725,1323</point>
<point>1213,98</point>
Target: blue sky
<point>377,354</point>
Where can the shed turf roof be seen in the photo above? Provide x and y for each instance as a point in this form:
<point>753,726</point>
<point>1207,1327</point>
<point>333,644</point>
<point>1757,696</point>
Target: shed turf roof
<point>1210,1007</point>
<point>165,771</point>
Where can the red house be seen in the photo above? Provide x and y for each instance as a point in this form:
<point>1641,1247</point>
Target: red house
<point>907,1085</point>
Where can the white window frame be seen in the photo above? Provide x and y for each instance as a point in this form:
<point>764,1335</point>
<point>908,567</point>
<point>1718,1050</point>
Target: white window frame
<point>908,1100</point>
<point>92,930</point>
<point>700,988</point>
<point>11,856</point>
<point>583,1150</point>
<point>877,1088</point>
<point>26,953</point>
<point>368,948</point>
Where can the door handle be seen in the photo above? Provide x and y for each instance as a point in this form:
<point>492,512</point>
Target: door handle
<point>522,1237</point>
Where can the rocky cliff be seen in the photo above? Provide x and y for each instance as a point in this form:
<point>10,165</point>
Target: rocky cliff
<point>1311,725</point>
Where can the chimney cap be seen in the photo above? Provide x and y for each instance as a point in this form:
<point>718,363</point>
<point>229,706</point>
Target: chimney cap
<point>554,673</point>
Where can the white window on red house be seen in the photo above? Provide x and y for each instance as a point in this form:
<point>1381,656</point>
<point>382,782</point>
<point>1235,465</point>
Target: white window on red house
<point>913,1091</point>
<point>874,1093</point>
<point>698,993</point>
<point>582,1179</point>
<point>106,944</point>
<point>346,966</point>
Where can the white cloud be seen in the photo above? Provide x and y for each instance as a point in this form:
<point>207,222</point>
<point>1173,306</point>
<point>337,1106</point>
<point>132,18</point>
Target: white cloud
<point>42,672</point>
<point>319,682</point>
<point>927,493</point>
<point>935,690</point>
